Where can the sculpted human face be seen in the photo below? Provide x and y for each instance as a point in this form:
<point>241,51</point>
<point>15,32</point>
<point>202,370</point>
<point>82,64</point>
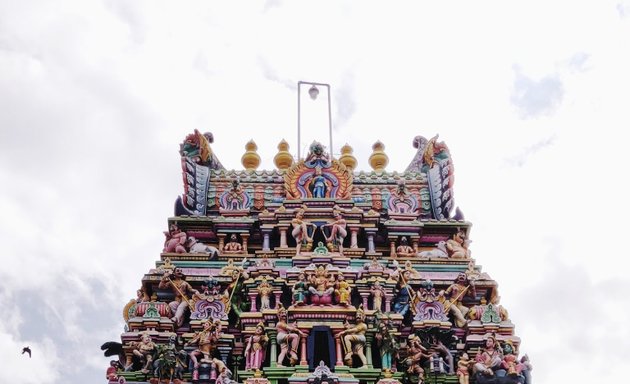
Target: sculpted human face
<point>490,343</point>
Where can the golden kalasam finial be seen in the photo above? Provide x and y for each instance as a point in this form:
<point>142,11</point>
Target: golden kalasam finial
<point>250,159</point>
<point>283,158</point>
<point>378,159</point>
<point>346,157</point>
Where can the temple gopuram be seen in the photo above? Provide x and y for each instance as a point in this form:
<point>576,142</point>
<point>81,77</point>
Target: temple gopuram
<point>315,272</point>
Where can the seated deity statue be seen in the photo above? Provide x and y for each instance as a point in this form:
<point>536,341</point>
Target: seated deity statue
<point>404,249</point>
<point>300,290</point>
<point>233,246</point>
<point>457,246</point>
<point>320,287</point>
<point>144,350</point>
<point>175,240</point>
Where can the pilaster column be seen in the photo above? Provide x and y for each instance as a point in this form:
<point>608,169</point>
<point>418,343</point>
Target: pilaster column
<point>414,244</point>
<point>221,241</point>
<point>273,333</point>
<point>368,349</point>
<point>283,237</point>
<point>388,302</point>
<point>277,295</point>
<point>354,232</point>
<point>364,297</point>
<point>252,300</point>
<point>265,246</point>
<point>303,360</point>
<point>370,234</point>
<point>392,248</point>
<point>245,237</point>
<point>338,341</point>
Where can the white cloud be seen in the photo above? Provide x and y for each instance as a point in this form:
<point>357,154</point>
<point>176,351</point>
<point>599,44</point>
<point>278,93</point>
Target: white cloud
<point>96,97</point>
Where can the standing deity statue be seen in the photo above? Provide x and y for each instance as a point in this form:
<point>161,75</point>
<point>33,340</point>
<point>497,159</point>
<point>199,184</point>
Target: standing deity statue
<point>354,340</point>
<point>256,348</point>
<point>338,231</point>
<point>386,341</point>
<point>300,231</point>
<point>416,354</point>
<point>463,369</point>
<point>378,292</point>
<point>288,338</point>
<point>318,185</point>
<point>264,291</point>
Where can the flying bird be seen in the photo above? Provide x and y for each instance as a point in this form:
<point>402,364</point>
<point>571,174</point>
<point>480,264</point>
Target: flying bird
<point>27,350</point>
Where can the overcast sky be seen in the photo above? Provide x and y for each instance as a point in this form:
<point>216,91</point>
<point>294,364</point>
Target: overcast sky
<point>532,99</point>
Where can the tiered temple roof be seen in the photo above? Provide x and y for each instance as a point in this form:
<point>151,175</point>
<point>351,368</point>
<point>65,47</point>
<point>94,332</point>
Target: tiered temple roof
<point>316,272</point>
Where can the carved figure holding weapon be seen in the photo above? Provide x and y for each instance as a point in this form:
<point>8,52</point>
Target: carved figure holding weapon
<point>455,293</point>
<point>181,289</point>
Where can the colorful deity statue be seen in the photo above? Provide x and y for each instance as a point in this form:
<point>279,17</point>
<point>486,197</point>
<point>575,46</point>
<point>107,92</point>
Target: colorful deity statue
<point>175,240</point>
<point>144,350</point>
<point>386,342</point>
<point>320,287</point>
<point>463,369</point>
<point>488,360</point>
<point>404,249</point>
<point>233,246</point>
<point>169,363</point>
<point>338,231</point>
<point>256,348</point>
<point>455,294</point>
<point>318,186</point>
<point>206,340</point>
<point>457,246</point>
<point>300,231</point>
<point>176,282</point>
<point>353,338</point>
<point>378,293</point>
<point>299,290</point>
<point>317,156</point>
<point>510,360</point>
<point>288,338</point>
<point>264,292</point>
<point>343,290</point>
<point>416,355</point>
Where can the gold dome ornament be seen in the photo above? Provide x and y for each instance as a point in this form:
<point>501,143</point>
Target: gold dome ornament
<point>378,159</point>
<point>250,159</point>
<point>283,158</point>
<point>346,157</point>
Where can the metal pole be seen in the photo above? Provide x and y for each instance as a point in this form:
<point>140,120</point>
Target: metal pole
<point>329,115</point>
<point>298,116</point>
<point>330,122</point>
